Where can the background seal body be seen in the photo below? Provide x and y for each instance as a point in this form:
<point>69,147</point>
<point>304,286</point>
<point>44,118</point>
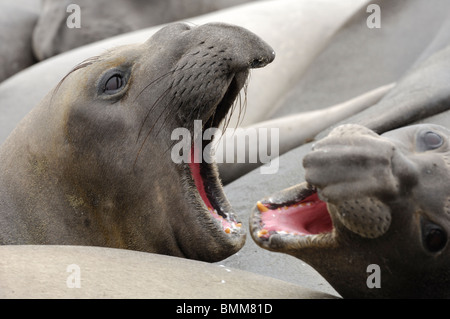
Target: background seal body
<point>96,272</point>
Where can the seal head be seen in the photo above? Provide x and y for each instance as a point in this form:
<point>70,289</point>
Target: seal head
<point>368,200</point>
<point>92,164</point>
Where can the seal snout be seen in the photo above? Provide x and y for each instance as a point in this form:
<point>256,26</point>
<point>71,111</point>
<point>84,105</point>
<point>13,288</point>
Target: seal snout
<point>347,160</point>
<point>246,49</point>
<point>354,171</point>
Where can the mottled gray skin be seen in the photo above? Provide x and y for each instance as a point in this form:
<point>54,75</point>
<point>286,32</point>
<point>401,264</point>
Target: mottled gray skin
<point>92,166</point>
<point>102,19</point>
<point>388,197</point>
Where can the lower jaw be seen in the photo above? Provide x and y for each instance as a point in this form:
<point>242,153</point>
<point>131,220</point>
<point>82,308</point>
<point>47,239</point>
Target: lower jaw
<point>212,200</point>
<point>283,242</point>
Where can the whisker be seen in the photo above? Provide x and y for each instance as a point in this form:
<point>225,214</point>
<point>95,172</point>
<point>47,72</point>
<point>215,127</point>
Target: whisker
<point>168,111</point>
<point>164,122</point>
<point>213,117</point>
<point>168,116</point>
<point>180,68</point>
<point>158,100</point>
<point>154,81</point>
<point>171,72</point>
<point>244,105</point>
<point>229,115</point>
<point>148,135</point>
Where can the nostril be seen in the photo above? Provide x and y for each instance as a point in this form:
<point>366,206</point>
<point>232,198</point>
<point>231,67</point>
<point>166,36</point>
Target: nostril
<point>257,63</point>
<point>262,61</point>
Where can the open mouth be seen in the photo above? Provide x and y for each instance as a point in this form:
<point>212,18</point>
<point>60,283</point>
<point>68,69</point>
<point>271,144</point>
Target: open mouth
<point>295,214</point>
<point>205,174</point>
<point>210,191</point>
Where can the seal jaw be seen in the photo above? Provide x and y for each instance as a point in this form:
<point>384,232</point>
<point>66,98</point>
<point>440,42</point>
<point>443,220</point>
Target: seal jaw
<point>210,203</point>
<point>213,200</point>
<point>206,80</point>
<point>215,221</point>
<point>292,219</point>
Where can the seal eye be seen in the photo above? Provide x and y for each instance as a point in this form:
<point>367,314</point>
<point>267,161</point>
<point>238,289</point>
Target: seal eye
<point>432,140</point>
<point>433,236</point>
<point>113,84</point>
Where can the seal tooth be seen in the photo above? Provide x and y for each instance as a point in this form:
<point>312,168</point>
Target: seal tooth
<point>262,233</point>
<point>261,207</point>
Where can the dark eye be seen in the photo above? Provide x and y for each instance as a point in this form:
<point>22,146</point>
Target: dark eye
<point>432,140</point>
<point>113,84</point>
<point>433,236</point>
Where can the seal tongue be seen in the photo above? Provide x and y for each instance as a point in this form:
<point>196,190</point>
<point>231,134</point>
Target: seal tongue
<point>307,217</point>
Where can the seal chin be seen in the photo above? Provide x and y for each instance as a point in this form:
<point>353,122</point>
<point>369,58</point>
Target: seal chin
<point>293,219</point>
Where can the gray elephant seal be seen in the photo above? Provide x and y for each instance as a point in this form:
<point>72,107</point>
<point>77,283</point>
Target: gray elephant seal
<point>96,272</point>
<point>17,21</point>
<point>369,200</point>
<point>52,35</point>
<point>91,164</point>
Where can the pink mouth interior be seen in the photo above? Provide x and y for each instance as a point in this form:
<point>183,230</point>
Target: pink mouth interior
<point>200,184</point>
<point>195,171</point>
<point>307,217</point>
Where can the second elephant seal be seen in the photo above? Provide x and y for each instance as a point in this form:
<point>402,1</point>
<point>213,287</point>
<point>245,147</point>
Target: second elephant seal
<point>373,216</point>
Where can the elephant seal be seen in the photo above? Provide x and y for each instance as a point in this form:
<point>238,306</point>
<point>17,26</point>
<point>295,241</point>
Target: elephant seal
<point>17,21</point>
<point>52,36</point>
<point>95,272</point>
<point>92,163</point>
<point>368,201</point>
